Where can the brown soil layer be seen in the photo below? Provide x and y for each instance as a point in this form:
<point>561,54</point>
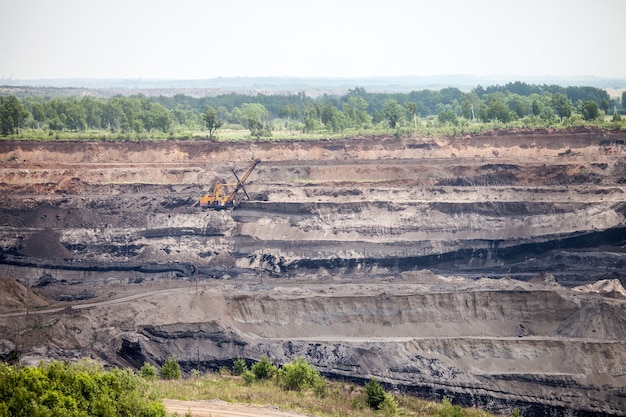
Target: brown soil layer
<point>330,260</point>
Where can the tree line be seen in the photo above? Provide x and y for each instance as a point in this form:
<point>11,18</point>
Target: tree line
<point>358,109</point>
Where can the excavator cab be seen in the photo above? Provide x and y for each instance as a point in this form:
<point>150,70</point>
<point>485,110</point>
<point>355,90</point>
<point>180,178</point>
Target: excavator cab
<point>221,199</point>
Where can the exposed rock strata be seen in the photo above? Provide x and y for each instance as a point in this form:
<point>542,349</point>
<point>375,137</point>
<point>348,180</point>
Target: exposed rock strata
<point>324,261</point>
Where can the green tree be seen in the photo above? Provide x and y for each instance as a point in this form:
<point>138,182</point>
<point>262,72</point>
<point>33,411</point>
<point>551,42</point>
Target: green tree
<point>264,369</point>
<point>392,111</point>
<point>76,117</point>
<point>333,119</point>
<point>536,110</point>
<point>356,110</point>
<point>590,110</point>
<point>239,367</point>
<point>113,115</point>
<point>562,105</point>
<point>495,110</point>
<point>411,112</point>
<point>312,117</point>
<point>148,371</point>
<point>605,105</point>
<point>212,121</point>
<point>13,115</point>
<point>448,116</point>
<point>299,375</point>
<point>375,394</point>
<point>171,369</point>
<point>160,118</point>
<point>38,111</point>
<point>470,105</point>
<point>93,112</point>
<point>256,119</point>
<point>289,112</point>
<point>517,106</point>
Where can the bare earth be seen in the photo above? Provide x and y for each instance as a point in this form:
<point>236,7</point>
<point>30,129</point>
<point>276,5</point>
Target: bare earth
<point>215,408</point>
<point>488,269</point>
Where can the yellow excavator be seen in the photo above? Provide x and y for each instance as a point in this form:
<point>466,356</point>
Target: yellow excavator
<point>221,199</point>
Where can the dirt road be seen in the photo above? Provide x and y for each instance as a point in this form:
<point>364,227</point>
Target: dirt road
<point>216,408</point>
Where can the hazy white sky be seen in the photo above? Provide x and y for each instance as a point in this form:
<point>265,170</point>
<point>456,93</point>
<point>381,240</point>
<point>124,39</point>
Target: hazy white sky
<point>193,39</point>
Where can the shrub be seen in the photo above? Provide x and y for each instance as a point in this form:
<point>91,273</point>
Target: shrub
<point>264,369</point>
<point>389,406</point>
<point>62,389</point>
<point>375,394</point>
<point>239,367</point>
<point>449,410</point>
<point>171,369</point>
<point>248,376</point>
<point>148,371</point>
<point>299,375</point>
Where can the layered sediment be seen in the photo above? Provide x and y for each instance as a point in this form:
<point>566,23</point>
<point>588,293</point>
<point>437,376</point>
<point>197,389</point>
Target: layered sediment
<point>523,233</point>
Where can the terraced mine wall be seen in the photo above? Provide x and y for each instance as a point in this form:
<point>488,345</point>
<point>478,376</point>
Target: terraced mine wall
<point>112,236</point>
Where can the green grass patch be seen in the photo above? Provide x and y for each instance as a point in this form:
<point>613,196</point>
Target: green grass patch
<point>340,399</point>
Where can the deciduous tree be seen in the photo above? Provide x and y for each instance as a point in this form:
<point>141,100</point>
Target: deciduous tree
<point>562,105</point>
<point>590,110</point>
<point>470,104</point>
<point>171,369</point>
<point>392,112</point>
<point>212,121</point>
<point>13,115</point>
<point>256,119</point>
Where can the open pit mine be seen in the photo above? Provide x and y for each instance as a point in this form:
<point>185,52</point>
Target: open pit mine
<point>488,269</point>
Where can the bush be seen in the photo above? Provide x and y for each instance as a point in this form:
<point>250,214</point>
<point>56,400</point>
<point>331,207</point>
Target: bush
<point>375,394</point>
<point>264,369</point>
<point>239,367</point>
<point>299,375</point>
<point>389,406</point>
<point>248,376</point>
<point>171,369</point>
<point>449,410</point>
<point>62,389</point>
<point>148,371</point>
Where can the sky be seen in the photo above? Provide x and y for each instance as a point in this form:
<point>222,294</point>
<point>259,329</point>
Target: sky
<point>193,39</point>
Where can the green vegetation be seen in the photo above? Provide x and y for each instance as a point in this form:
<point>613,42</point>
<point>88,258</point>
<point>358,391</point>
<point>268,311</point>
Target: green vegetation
<point>76,390</point>
<point>264,369</point>
<point>300,376</point>
<point>85,389</point>
<point>212,120</point>
<point>295,387</point>
<point>296,116</point>
<point>239,367</point>
<point>171,369</point>
<point>375,394</point>
<point>148,371</point>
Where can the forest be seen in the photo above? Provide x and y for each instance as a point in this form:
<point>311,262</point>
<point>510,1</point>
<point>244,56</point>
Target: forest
<point>445,111</point>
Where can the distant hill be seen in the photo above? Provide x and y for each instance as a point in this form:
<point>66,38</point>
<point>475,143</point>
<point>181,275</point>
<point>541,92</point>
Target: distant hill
<point>313,87</point>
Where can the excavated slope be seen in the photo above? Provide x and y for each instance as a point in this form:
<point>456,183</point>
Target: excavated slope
<point>329,261</point>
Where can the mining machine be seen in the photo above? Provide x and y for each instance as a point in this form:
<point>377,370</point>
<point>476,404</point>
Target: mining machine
<point>221,198</point>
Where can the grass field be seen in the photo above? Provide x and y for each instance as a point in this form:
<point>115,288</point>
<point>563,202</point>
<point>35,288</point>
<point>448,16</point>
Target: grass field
<point>342,399</point>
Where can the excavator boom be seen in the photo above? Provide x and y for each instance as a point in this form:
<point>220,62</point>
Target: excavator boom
<point>221,200</point>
